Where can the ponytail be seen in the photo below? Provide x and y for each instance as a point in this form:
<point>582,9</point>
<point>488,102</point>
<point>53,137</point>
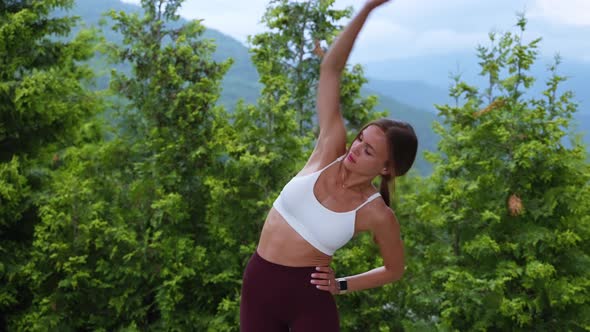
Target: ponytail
<point>384,188</point>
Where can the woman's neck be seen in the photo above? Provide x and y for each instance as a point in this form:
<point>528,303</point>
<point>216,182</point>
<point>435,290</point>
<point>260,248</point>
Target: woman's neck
<point>349,180</point>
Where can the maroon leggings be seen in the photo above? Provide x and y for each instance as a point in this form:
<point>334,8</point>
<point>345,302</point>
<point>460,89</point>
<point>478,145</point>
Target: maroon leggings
<point>281,298</point>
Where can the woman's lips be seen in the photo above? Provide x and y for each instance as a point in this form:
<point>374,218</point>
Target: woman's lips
<point>351,159</point>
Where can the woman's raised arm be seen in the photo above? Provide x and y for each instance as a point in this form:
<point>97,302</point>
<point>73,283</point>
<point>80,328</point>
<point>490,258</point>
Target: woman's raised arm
<point>332,138</point>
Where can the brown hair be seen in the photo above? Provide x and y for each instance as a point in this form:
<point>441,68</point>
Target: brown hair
<point>402,146</point>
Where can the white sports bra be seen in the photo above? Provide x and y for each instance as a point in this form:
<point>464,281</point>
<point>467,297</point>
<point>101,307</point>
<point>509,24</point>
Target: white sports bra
<point>323,228</point>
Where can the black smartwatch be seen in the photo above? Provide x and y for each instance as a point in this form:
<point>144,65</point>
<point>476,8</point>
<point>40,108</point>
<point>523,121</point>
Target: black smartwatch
<point>342,285</point>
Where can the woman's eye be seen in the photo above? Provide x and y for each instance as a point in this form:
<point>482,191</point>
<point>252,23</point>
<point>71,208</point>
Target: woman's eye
<point>367,151</point>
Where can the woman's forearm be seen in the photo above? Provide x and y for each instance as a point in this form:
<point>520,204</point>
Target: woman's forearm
<point>374,278</point>
<point>336,57</point>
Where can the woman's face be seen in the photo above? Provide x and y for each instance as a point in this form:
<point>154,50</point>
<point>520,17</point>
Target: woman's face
<point>368,153</point>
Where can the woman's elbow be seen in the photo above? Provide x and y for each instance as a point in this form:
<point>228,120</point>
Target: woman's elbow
<point>396,273</point>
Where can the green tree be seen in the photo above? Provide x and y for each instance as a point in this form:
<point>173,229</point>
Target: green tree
<point>122,243</point>
<point>293,49</point>
<point>43,103</point>
<point>503,223</point>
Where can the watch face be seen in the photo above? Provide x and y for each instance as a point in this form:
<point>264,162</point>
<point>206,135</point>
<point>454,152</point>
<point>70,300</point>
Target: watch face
<point>343,284</point>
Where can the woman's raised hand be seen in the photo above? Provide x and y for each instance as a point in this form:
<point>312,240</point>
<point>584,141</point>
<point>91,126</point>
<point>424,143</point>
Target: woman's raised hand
<point>375,3</point>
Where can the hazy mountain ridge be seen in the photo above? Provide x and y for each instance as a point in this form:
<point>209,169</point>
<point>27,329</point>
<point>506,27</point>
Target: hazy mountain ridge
<point>241,81</point>
<point>418,94</point>
<point>433,74</point>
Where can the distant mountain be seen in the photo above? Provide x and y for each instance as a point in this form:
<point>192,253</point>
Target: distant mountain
<point>430,70</point>
<point>241,81</point>
<point>436,71</point>
<point>419,94</point>
<point>429,75</point>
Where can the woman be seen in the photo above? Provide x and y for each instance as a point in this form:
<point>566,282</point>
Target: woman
<point>288,284</point>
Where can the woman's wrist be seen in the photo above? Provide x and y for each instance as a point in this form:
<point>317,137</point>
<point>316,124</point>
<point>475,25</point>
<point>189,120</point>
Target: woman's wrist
<point>372,4</point>
<point>368,7</point>
<point>342,285</point>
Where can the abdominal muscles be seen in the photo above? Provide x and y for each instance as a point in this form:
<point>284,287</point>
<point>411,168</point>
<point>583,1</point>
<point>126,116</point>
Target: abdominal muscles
<point>281,244</point>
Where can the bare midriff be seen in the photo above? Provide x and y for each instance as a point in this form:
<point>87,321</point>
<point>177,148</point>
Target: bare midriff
<point>281,244</point>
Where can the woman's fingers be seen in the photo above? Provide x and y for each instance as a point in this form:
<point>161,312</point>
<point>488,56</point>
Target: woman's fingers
<point>322,282</point>
<point>325,269</point>
<point>322,275</point>
<point>324,279</point>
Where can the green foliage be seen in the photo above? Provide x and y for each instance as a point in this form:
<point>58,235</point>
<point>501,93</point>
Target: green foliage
<point>500,230</point>
<point>42,96</point>
<point>43,102</point>
<point>122,242</point>
<point>14,193</point>
<point>291,49</point>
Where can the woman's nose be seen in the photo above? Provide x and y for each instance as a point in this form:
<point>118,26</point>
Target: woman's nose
<point>356,149</point>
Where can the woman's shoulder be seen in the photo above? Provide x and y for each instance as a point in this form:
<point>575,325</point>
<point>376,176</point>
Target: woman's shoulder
<point>318,161</point>
<point>375,215</point>
<point>379,213</point>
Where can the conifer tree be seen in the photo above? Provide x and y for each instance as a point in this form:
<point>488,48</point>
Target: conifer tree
<point>122,243</point>
<point>43,103</point>
<point>502,230</point>
<point>293,48</point>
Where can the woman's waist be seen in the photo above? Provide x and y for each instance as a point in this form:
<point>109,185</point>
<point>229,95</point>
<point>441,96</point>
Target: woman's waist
<point>291,255</point>
<point>281,244</point>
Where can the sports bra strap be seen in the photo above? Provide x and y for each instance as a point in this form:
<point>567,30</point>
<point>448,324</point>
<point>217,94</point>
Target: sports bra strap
<point>372,197</point>
<point>330,164</point>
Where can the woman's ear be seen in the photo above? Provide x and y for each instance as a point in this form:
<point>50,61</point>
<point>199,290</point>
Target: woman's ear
<point>387,169</point>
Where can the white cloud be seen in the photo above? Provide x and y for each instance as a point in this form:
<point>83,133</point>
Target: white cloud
<point>414,43</point>
<point>238,19</point>
<point>405,28</point>
<point>447,40</point>
<point>570,12</point>
<point>235,18</point>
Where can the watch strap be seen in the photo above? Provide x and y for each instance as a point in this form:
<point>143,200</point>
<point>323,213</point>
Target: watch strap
<point>342,285</point>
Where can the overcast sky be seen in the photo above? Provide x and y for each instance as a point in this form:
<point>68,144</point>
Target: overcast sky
<point>406,28</point>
